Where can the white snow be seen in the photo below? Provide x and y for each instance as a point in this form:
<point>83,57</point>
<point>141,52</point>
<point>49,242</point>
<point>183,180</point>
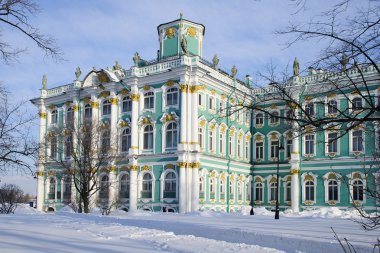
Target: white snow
<point>207,231</point>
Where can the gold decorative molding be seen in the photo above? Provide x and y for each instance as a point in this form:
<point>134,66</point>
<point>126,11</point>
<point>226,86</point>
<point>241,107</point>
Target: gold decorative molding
<point>112,168</point>
<point>123,124</point>
<point>146,168</point>
<point>258,137</point>
<point>40,173</point>
<point>124,92</point>
<point>258,180</point>
<point>104,94</point>
<point>213,173</point>
<point>289,135</point>
<point>240,136</point>
<point>146,121</point>
<point>356,176</point>
<point>114,101</point>
<point>274,136</point>
<point>146,87</point>
<point>331,94</point>
<point>68,103</point>
<point>135,97</point>
<point>51,173</point>
<point>42,115</point>
<point>213,92</point>
<point>212,126</point>
<point>331,176</point>
<point>86,100</point>
<point>232,177</point>
<point>308,98</point>
<point>232,131</point>
<point>124,168</point>
<point>94,104</point>
<point>232,100</point>
<point>102,77</point>
<point>223,176</point>
<point>169,83</point>
<point>273,106</point>
<point>309,178</point>
<point>192,31</point>
<point>195,165</point>
<point>308,202</point>
<point>355,92</point>
<point>51,107</point>
<point>169,166</point>
<point>294,171</point>
<point>182,164</point>
<point>292,105</point>
<point>223,129</point>
<point>196,88</point>
<point>241,178</point>
<point>168,117</point>
<point>183,87</point>
<point>202,123</point>
<point>133,167</point>
<point>170,32</point>
<point>273,180</point>
<point>76,108</point>
<point>134,147</point>
<point>223,96</point>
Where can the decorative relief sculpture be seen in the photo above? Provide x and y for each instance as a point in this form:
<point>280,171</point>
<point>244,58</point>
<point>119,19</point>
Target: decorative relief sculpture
<point>184,44</point>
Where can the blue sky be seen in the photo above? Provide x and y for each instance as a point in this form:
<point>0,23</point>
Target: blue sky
<point>95,33</point>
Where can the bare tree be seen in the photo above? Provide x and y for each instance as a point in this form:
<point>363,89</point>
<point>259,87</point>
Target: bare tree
<point>16,14</point>
<point>86,152</point>
<point>10,196</point>
<point>18,150</point>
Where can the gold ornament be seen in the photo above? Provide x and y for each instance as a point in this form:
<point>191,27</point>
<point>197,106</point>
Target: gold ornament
<point>170,32</point>
<point>192,31</point>
<point>135,97</point>
<point>42,115</point>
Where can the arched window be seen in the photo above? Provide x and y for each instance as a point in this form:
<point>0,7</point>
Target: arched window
<point>124,186</point>
<point>172,96</point>
<point>202,187</point>
<point>149,100</point>
<point>357,141</point>
<point>170,185</point>
<point>222,141</point>
<point>309,144</point>
<point>106,141</point>
<point>289,116</point>
<point>274,145</point>
<point>288,191</point>
<point>231,145</point>
<point>211,140</point>
<point>239,148</point>
<point>332,107</point>
<point>332,142</point>
<point>126,140</point>
<point>54,117</point>
<point>357,190</point>
<point>273,190</point>
<point>147,186</point>
<point>69,145</point>
<point>232,190</point>
<point>222,189</point>
<point>87,112</point>
<point>309,191</point>
<point>259,121</point>
<point>106,108</point>
<point>212,188</point>
<point>274,119</point>
<point>127,104</point>
<point>69,117</point>
<point>333,190</point>
<point>52,187</point>
<point>104,187</point>
<point>240,190</point>
<point>248,190</point>
<point>259,191</point>
<point>289,148</point>
<point>247,149</point>
<point>309,109</point>
<point>148,137</point>
<point>357,104</point>
<point>67,188</point>
<point>248,117</point>
<point>53,147</point>
<point>171,135</point>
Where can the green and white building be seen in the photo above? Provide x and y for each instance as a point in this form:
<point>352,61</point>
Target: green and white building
<point>181,149</point>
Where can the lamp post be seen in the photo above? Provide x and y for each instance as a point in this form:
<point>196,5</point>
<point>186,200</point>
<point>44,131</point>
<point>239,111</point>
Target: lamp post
<point>277,213</point>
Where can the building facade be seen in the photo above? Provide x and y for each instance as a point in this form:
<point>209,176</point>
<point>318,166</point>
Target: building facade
<point>184,139</point>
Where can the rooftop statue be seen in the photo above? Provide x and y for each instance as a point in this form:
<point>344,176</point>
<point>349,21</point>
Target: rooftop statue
<point>117,66</point>
<point>233,71</point>
<point>215,61</point>
<point>344,61</point>
<point>136,59</point>
<point>296,67</point>
<point>184,44</point>
<point>78,72</point>
<point>44,82</point>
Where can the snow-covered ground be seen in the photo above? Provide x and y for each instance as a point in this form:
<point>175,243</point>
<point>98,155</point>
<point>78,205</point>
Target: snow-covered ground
<point>29,231</point>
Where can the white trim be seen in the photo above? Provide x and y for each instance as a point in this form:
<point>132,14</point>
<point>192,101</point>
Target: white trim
<point>304,186</point>
<point>326,181</point>
<point>140,185</point>
<point>162,184</point>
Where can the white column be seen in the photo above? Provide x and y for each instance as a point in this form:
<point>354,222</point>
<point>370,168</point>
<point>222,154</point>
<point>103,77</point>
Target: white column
<point>182,187</point>
<point>40,190</point>
<point>95,123</point>
<point>194,119</point>
<point>133,188</point>
<point>295,170</point>
<point>184,118</point>
<point>195,187</point>
<point>113,124</point>
<point>113,187</point>
<point>134,125</point>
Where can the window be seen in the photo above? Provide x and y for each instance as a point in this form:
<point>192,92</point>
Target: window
<point>202,185</point>
<point>248,117</point>
<point>211,141</point>
<point>126,140</point>
<point>239,148</point>
<point>239,115</point>
<point>230,146</point>
<point>247,150</point>
<point>240,190</point>
<point>106,108</point>
<point>221,143</point>
<point>259,150</point>
<point>309,109</point>
<point>274,119</point>
<point>212,188</point>
<point>211,103</point>
<point>148,137</point>
<point>52,183</point>
<point>147,186</point>
<point>289,147</point>
<point>69,117</point>
<point>170,185</point>
<point>222,189</point>
<point>53,147</point>
<point>259,121</point>
<point>106,141</point>
<point>87,112</point>
<point>332,107</point>
<point>273,191</point>
<point>124,186</point>
<point>259,192</point>
<point>357,141</point>
<point>172,96</point>
<point>288,191</point>
<point>274,149</point>
<point>232,192</point>
<point>149,100</point>
<point>248,191</point>
<point>309,144</point>
<point>54,117</point>
<point>69,145</point>
<point>200,137</point>
<point>200,100</point>
<point>104,187</point>
<point>67,189</point>
<point>332,142</point>
<point>171,135</point>
<point>289,116</point>
<point>333,190</point>
<point>357,190</point>
<point>357,104</point>
<point>127,104</point>
<point>309,191</point>
<point>222,107</point>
